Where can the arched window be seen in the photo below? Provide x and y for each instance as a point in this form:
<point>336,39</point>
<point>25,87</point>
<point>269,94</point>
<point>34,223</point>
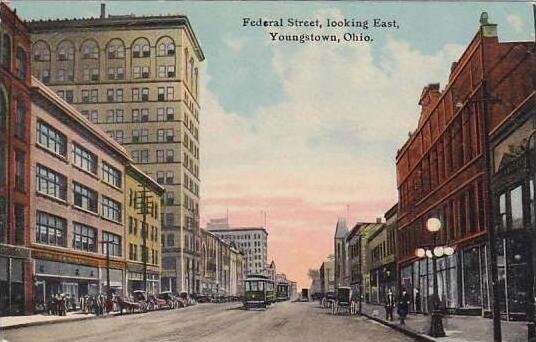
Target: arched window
<point>141,48</point>
<point>90,50</point>
<point>3,110</point>
<point>115,49</point>
<point>21,63</point>
<point>165,47</point>
<point>6,50</point>
<point>65,51</point>
<point>41,52</point>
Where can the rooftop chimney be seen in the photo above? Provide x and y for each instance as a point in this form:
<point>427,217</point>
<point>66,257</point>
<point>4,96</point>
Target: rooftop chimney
<point>103,10</point>
<point>488,29</point>
<point>378,220</point>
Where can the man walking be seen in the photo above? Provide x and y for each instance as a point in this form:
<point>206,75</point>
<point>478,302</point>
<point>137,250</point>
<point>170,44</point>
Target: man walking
<point>389,305</point>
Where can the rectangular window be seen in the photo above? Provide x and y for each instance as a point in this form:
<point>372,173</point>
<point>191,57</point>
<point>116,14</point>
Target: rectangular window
<point>170,93</point>
<point>94,116</point>
<point>50,229</point>
<point>85,198</point>
<point>20,167</point>
<point>159,156</point>
<point>170,114</point>
<point>161,94</point>
<point>160,177</point>
<point>135,115</point>
<point>145,94</point>
<point>160,135</point>
<point>85,95</point>
<point>144,156</point>
<point>160,115</point>
<point>112,243</point>
<point>119,95</point>
<point>516,203</point>
<point>20,223</point>
<point>111,209</point>
<point>135,94</point>
<point>111,175</point>
<point>84,237</point>
<point>145,72</point>
<point>136,72</point>
<point>119,136</point>
<point>120,73</point>
<point>84,159</point>
<point>169,135</point>
<point>51,183</point>
<point>69,96</point>
<point>119,116</point>
<point>169,177</point>
<point>51,139</point>
<point>144,114</point>
<point>170,156</point>
<point>110,95</point>
<point>171,71</point>
<point>20,120</point>
<point>94,95</point>
<point>162,71</point>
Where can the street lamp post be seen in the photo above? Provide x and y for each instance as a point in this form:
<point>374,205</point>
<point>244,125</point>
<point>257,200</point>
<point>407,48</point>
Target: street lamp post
<point>433,225</point>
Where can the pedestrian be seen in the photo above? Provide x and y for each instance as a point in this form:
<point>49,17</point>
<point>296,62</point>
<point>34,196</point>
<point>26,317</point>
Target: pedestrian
<point>417,301</point>
<point>389,305</point>
<point>403,306</point>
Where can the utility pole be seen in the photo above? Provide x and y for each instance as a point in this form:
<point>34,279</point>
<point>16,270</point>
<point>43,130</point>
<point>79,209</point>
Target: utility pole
<point>144,207</point>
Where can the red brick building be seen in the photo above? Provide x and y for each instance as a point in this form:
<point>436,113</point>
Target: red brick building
<point>15,81</point>
<point>442,170</point>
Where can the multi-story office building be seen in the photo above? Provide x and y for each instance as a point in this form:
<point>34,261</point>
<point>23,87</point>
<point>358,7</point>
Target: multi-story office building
<point>443,172</point>
<point>253,241</point>
<point>138,79</point>
<point>15,266</point>
<point>77,187</point>
<point>142,228</point>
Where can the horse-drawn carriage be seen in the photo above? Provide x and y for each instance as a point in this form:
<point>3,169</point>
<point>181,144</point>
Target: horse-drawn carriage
<point>342,300</point>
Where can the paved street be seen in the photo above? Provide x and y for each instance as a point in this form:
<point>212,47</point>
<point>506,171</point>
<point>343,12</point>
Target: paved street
<point>215,322</point>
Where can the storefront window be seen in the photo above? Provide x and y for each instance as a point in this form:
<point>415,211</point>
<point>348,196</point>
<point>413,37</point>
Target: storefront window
<point>516,202</point>
<point>471,278</point>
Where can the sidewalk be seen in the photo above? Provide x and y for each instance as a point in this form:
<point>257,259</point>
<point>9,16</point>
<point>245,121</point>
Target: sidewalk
<point>457,328</point>
<point>13,322</point>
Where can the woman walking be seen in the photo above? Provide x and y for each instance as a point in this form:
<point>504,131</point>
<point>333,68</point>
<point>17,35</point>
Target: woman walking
<point>403,306</point>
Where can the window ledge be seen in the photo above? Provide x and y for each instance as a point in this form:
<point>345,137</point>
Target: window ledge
<point>85,210</point>
<point>56,155</point>
<point>52,198</point>
<point>112,186</point>
<point>85,171</point>
<point>110,220</point>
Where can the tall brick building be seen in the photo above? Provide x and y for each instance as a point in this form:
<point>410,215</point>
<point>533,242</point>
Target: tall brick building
<point>442,169</point>
<point>15,82</point>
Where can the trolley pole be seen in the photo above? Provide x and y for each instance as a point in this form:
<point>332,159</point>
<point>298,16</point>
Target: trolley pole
<point>144,208</point>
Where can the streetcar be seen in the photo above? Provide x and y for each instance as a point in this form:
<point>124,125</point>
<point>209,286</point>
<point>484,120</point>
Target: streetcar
<point>282,291</point>
<point>270,292</point>
<point>256,291</point>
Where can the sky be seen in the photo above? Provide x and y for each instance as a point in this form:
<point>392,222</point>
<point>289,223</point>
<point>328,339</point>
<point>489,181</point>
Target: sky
<point>306,131</point>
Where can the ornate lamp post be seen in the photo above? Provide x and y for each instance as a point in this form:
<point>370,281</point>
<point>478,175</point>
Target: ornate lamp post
<point>433,225</point>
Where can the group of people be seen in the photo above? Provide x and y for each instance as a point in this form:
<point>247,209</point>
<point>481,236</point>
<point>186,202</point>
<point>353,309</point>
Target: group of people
<point>98,304</point>
<point>59,304</point>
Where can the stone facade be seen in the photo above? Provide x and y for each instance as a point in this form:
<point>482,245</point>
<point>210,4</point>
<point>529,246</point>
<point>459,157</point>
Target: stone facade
<point>77,186</point>
<point>141,85</point>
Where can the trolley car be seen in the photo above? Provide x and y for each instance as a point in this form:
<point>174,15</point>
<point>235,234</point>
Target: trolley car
<point>282,290</point>
<point>256,291</point>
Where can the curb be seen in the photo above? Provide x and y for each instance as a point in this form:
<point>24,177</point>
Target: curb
<point>34,324</point>
<point>417,336</point>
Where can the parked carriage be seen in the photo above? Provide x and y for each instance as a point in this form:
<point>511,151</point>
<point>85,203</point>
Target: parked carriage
<point>170,300</point>
<point>256,292</point>
<point>328,300</point>
<point>342,300</point>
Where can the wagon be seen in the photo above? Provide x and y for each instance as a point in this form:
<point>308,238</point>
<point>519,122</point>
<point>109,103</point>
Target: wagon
<point>342,300</point>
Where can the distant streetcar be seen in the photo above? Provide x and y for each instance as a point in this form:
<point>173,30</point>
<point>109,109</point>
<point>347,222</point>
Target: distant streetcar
<point>282,291</point>
<point>257,293</point>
